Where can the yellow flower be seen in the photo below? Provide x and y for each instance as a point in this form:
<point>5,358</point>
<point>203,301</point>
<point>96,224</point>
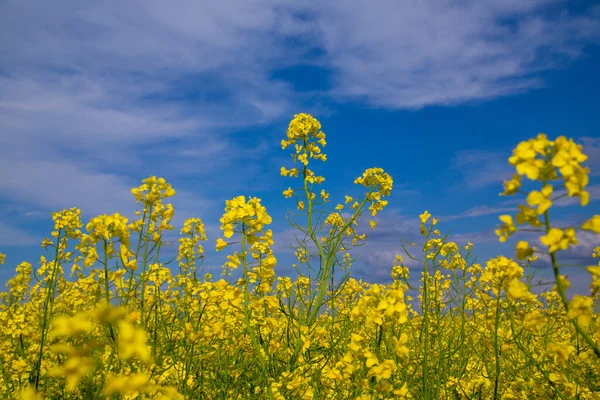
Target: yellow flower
<point>581,308</point>
<point>541,199</point>
<point>517,289</point>
<point>533,321</point>
<point>524,157</point>
<point>288,193</point>
<point>2,258</point>
<point>594,270</point>
<point>506,229</point>
<point>324,195</point>
<point>130,385</point>
<point>512,186</point>
<point>377,179</point>
<point>568,157</point>
<point>29,393</point>
<point>560,352</point>
<point>402,392</point>
<point>303,158</point>
<point>74,370</point>
<point>132,342</point>
<point>564,281</point>
<point>372,224</point>
<point>557,239</point>
<point>527,215</point>
<point>300,205</point>
<point>221,244</point>
<point>523,250</point>
<point>70,326</point>
<point>382,370</point>
<point>592,224</point>
<point>424,217</point>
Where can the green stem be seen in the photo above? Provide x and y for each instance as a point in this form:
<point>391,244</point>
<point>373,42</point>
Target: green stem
<point>47,313</point>
<point>425,331</point>
<point>561,291</point>
<point>143,277</point>
<point>497,347</point>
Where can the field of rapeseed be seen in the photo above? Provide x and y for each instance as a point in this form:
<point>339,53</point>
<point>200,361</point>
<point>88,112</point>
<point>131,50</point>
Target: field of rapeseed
<point>105,317</point>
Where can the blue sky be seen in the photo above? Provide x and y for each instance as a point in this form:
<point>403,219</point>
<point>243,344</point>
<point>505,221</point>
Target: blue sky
<point>95,96</point>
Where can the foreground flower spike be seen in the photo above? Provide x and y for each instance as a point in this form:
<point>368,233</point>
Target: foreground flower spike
<point>304,133</point>
<point>545,161</point>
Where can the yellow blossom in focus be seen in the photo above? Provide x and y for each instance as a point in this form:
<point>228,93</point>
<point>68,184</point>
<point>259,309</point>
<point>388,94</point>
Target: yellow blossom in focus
<point>524,158</point>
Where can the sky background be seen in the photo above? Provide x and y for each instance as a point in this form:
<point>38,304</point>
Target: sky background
<point>96,96</point>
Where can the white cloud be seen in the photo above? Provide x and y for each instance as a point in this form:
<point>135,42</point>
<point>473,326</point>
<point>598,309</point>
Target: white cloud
<point>91,91</point>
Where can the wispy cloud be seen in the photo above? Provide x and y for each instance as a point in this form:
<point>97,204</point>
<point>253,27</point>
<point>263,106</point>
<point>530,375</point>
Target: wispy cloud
<point>15,236</point>
<point>479,169</point>
<point>410,55</point>
<point>479,211</point>
<point>510,206</point>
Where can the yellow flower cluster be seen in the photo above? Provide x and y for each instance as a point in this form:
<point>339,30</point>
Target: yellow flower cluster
<point>540,158</point>
<point>152,190</point>
<point>249,216</point>
<point>304,132</point>
<point>106,227</point>
<point>301,130</point>
<point>380,184</point>
<point>190,249</point>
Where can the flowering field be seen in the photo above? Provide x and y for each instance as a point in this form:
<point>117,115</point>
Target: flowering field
<point>105,317</point>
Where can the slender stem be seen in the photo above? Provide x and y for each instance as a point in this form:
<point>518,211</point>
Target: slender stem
<point>497,346</point>
<point>145,262</point>
<point>425,331</point>
<point>47,313</point>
